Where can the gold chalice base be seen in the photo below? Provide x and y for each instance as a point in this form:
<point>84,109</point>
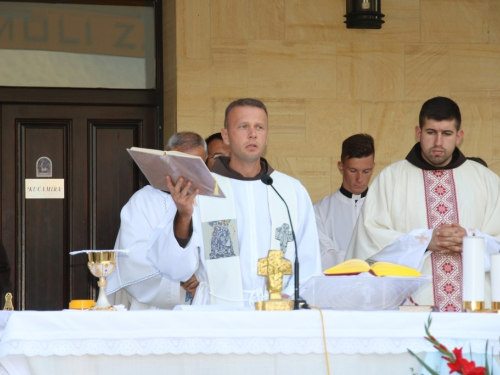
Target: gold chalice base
<point>274,305</point>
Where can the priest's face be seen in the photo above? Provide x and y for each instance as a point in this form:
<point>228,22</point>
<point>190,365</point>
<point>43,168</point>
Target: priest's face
<point>356,173</point>
<point>438,140</point>
<point>246,134</point>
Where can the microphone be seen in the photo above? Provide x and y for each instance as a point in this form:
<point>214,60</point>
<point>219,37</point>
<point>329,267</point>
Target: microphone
<point>268,180</point>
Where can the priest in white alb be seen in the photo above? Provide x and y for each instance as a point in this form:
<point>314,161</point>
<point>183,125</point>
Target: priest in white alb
<point>419,209</point>
<point>337,213</point>
<point>220,240</point>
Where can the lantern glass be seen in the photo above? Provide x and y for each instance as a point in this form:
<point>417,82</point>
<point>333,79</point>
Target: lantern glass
<point>363,14</point>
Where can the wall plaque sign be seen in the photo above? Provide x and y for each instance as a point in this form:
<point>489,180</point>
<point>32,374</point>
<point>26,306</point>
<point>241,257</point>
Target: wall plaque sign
<point>44,167</point>
<point>41,188</point>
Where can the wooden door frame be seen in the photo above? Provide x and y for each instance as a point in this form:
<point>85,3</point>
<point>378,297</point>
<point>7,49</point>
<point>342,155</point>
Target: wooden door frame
<point>153,98</point>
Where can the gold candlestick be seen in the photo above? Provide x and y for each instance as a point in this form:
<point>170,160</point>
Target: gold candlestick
<point>473,306</point>
<point>8,302</point>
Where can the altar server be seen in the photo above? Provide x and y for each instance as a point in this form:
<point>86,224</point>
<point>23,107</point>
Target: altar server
<point>420,208</point>
<point>336,214</point>
<point>136,282</point>
<point>216,148</point>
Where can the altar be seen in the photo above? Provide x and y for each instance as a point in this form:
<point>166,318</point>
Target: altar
<point>230,342</point>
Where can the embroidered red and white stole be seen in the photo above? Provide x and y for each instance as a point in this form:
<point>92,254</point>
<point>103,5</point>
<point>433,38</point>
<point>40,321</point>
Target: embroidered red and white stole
<point>442,208</point>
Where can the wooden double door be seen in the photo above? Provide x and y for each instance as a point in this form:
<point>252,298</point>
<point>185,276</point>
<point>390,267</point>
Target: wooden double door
<point>87,148</point>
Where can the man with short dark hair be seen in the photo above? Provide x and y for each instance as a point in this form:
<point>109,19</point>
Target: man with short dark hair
<point>336,214</point>
<point>216,148</point>
<point>419,209</point>
<point>136,282</point>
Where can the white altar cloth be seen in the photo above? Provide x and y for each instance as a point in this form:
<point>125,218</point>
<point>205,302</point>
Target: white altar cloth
<point>31,336</point>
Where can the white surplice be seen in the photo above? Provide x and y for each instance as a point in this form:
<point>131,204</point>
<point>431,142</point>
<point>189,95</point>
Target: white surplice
<point>136,282</point>
<point>254,232</point>
<point>336,217</point>
<point>393,227</point>
<point>157,262</point>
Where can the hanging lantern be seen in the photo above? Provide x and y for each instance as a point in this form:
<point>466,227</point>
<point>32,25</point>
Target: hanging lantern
<point>363,14</point>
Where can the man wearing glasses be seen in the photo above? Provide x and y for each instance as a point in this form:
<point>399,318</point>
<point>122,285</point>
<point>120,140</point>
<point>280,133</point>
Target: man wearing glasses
<point>216,147</point>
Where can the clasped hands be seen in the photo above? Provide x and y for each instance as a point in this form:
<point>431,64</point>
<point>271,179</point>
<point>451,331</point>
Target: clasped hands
<point>447,239</point>
<point>190,285</point>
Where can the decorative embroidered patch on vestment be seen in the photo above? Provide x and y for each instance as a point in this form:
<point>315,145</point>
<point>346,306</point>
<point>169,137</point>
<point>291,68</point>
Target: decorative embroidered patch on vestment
<point>442,208</point>
<point>221,243</point>
<point>284,236</point>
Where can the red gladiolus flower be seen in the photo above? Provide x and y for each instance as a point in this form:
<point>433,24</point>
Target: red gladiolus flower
<point>454,366</point>
<point>475,371</point>
<point>469,368</point>
<point>463,366</point>
<point>458,354</point>
<point>456,362</point>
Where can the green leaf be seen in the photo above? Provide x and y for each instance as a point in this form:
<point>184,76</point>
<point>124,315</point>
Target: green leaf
<point>425,365</point>
<point>486,365</point>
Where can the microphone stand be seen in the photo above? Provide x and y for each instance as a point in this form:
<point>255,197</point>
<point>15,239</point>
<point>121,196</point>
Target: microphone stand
<point>297,302</point>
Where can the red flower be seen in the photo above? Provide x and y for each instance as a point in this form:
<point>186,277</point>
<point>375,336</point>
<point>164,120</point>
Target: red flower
<point>470,368</point>
<point>456,362</point>
<point>463,366</point>
<point>458,354</point>
<point>454,367</point>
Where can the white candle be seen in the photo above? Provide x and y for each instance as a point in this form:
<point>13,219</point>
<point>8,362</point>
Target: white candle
<point>495,277</point>
<point>473,267</point>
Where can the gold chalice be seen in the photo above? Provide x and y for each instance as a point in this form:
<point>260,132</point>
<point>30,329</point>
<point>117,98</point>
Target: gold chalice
<point>102,264</point>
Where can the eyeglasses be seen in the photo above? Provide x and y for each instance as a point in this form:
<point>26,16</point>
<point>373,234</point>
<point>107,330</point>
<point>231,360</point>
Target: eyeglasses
<point>216,156</point>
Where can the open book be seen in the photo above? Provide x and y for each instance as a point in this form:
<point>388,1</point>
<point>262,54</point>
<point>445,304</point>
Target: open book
<point>156,165</point>
<point>356,266</point>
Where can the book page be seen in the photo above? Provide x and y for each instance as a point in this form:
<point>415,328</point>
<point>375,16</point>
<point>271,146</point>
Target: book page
<point>149,151</point>
<point>156,165</point>
<point>193,169</point>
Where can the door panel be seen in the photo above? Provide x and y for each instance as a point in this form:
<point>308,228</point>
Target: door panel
<point>112,175</point>
<point>87,147</point>
<point>43,221</point>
